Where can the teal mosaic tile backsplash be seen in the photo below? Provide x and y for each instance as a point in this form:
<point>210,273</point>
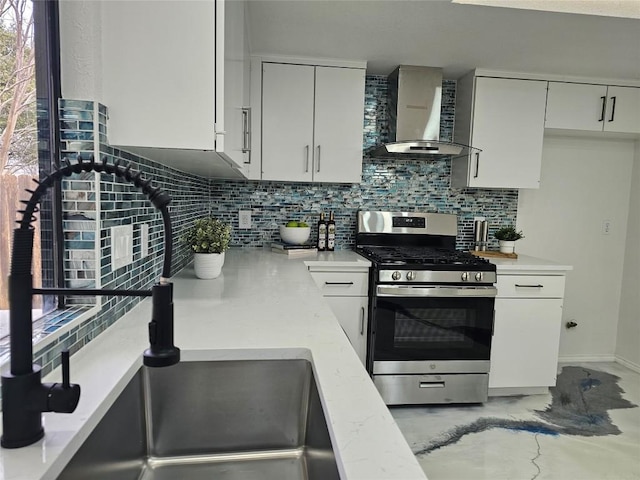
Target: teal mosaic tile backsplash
<point>406,184</point>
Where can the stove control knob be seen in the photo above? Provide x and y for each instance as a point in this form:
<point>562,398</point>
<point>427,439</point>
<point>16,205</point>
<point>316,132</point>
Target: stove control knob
<point>478,276</point>
<point>411,276</point>
<point>465,276</point>
<point>396,275</point>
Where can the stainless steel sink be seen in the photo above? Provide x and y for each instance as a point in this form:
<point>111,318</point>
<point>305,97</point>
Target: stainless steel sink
<point>249,419</point>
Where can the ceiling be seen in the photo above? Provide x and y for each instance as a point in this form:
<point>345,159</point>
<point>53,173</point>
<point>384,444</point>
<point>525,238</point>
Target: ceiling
<point>455,37</point>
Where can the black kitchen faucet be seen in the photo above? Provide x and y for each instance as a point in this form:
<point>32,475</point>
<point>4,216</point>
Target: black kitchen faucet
<point>24,396</point>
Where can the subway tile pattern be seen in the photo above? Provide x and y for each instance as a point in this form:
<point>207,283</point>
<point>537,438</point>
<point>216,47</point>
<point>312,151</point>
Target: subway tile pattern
<point>398,184</point>
<point>92,204</point>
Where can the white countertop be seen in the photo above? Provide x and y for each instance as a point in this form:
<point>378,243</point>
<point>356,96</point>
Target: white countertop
<point>265,305</point>
<point>525,263</point>
<point>338,258</point>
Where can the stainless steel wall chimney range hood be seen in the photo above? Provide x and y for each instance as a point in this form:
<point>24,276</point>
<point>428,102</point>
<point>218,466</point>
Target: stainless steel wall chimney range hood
<point>415,99</point>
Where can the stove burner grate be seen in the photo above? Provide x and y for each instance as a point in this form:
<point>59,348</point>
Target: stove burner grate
<point>421,256</point>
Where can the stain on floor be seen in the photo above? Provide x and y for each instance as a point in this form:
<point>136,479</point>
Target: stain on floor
<point>580,402</point>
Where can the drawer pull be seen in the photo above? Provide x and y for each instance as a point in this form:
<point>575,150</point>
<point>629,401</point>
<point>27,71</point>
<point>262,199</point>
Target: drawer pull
<point>431,384</point>
<point>528,286</point>
<point>338,283</point>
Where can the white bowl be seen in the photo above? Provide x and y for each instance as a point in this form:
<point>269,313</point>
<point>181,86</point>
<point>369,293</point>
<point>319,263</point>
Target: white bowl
<point>294,235</point>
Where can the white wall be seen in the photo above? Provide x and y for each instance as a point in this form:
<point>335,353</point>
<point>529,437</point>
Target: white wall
<point>628,345</point>
<point>584,182</point>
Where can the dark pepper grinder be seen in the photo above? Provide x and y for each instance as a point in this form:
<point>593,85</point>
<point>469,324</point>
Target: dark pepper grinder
<point>322,233</point>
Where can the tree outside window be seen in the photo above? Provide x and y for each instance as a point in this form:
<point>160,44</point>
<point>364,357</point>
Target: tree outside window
<point>18,127</point>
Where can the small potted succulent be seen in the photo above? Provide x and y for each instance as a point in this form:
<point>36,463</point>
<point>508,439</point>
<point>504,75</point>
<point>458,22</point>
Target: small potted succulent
<point>208,238</point>
<point>507,237</point>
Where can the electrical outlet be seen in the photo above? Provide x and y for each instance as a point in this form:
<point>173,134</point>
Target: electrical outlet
<point>144,240</point>
<point>606,227</point>
<point>244,219</point>
<point>121,246</point>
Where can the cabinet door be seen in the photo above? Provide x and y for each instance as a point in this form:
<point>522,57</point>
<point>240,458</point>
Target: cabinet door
<point>508,126</point>
<point>158,76</point>
<point>575,106</point>
<point>526,339</point>
<point>351,312</point>
<point>339,107</point>
<point>287,122</point>
<point>623,110</point>
<point>234,121</point>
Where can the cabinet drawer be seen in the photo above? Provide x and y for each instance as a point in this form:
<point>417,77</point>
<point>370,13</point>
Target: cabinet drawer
<point>425,389</point>
<point>341,283</point>
<point>530,286</point>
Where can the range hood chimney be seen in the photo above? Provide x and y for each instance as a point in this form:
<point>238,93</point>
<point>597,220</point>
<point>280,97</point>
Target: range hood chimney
<point>415,99</point>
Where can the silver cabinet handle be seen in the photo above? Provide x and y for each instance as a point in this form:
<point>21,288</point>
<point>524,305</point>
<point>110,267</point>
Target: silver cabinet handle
<point>477,165</point>
<point>362,321</point>
<point>246,130</point>
<point>306,165</point>
<point>404,291</point>
<point>518,285</point>
<point>604,103</point>
<point>431,385</point>
<point>338,283</point>
<point>318,163</point>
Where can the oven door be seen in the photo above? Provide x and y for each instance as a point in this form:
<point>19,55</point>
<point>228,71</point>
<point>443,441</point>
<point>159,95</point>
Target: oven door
<point>438,324</point>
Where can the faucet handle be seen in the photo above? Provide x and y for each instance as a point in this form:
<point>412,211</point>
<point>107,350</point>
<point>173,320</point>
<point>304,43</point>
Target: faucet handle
<point>64,358</point>
<point>63,398</point>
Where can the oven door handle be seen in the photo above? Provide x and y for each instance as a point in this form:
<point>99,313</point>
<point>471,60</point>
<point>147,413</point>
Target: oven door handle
<point>404,291</point>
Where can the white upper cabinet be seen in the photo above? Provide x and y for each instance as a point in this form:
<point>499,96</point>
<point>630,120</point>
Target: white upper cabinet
<point>339,123</point>
<point>576,106</point>
<point>594,108</point>
<point>623,110</point>
<point>311,121</point>
<point>287,122</point>
<point>235,142</point>
<point>504,118</point>
<point>158,76</point>
<point>174,77</point>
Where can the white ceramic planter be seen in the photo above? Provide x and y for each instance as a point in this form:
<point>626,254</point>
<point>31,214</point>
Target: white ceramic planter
<point>208,265</point>
<point>507,246</point>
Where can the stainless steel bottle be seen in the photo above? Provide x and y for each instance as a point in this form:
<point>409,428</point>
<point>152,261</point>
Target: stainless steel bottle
<point>480,235</point>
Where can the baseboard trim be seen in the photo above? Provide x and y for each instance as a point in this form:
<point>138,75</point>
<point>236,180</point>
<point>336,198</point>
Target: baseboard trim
<point>630,365</point>
<point>517,391</point>
<point>586,358</point>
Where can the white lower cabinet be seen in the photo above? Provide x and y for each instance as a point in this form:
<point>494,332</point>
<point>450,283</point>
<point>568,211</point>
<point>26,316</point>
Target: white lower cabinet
<point>525,342</point>
<point>526,338</point>
<point>346,293</point>
<point>352,315</point>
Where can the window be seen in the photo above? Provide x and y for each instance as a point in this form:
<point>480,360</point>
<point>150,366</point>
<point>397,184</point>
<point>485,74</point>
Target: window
<point>29,92</point>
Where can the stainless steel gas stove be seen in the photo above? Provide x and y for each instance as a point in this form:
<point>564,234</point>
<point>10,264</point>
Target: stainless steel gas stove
<point>431,309</point>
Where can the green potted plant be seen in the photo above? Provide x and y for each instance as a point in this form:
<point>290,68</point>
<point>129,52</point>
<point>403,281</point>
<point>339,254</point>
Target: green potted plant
<point>507,237</point>
<point>208,238</point>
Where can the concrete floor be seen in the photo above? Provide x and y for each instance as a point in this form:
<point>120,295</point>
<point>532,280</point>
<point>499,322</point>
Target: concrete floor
<point>534,437</point>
